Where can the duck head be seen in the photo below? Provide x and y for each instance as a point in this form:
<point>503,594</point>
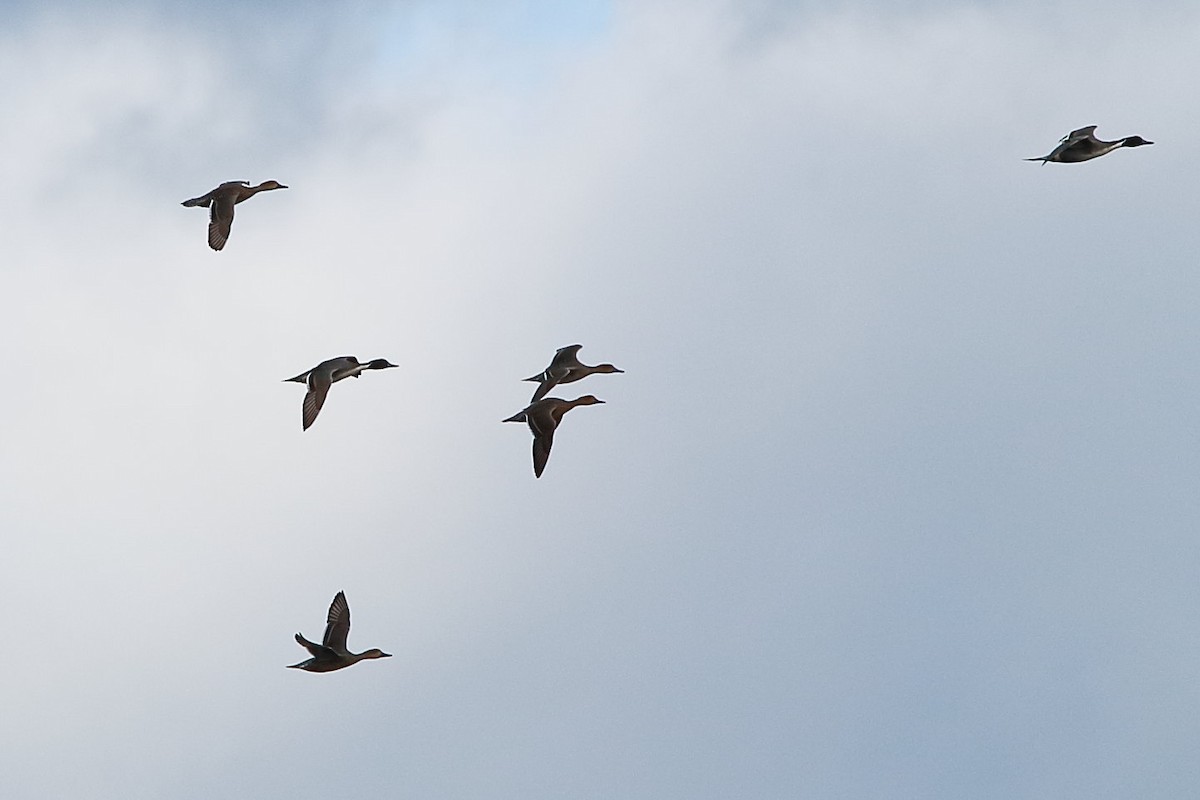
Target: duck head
<point>586,400</point>
<point>1134,141</point>
<point>379,363</point>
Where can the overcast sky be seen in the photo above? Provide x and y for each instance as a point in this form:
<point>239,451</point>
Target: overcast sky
<point>897,497</point>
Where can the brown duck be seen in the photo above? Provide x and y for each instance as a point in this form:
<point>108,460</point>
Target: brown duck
<point>565,368</point>
<point>543,417</point>
<point>331,653</point>
<point>220,202</point>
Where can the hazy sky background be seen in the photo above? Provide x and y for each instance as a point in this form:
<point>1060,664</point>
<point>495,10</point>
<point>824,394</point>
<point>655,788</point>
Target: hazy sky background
<point>896,499</point>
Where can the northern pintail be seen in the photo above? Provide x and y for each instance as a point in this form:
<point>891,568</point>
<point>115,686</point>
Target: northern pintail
<point>331,653</point>
<point>220,202</point>
<point>543,417</point>
<point>1082,145</point>
<point>565,368</point>
<point>323,375</point>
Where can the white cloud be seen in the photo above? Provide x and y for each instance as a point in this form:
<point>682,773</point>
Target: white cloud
<point>892,498</point>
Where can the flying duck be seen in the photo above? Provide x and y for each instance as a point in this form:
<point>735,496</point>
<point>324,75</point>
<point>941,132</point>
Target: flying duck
<point>565,368</point>
<point>220,202</point>
<point>1082,145</point>
<point>543,416</point>
<point>331,653</point>
<point>323,375</point>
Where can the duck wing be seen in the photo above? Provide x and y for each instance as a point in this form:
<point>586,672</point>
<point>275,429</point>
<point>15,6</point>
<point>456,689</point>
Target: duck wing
<point>566,357</point>
<point>565,360</point>
<point>548,382</point>
<point>542,422</point>
<point>1081,133</point>
<point>343,367</point>
<point>319,651</point>
<point>542,442</point>
<point>220,220</point>
<point>318,387</point>
<point>337,625</point>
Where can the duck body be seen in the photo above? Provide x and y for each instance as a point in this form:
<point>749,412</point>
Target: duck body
<point>1082,145</point>
<point>220,202</point>
<point>565,367</point>
<point>543,417</point>
<point>332,654</point>
<point>323,375</point>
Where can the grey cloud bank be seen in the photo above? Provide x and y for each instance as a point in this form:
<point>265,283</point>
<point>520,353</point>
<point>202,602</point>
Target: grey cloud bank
<point>896,497</point>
